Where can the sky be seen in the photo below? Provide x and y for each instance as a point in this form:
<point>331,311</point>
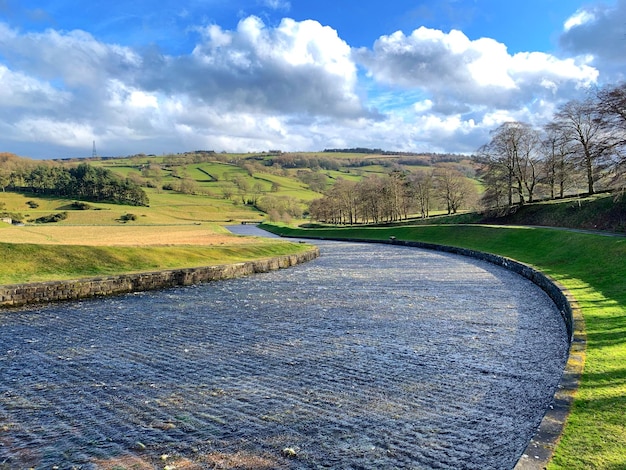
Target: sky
<point>171,76</point>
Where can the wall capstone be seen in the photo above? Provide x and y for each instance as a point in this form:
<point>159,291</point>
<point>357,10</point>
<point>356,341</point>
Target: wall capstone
<point>19,295</point>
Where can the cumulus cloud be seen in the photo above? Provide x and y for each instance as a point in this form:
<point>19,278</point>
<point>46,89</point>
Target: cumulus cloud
<point>599,31</point>
<point>294,85</point>
<point>460,72</point>
<point>20,93</point>
<point>297,67</point>
<point>464,88</point>
<point>75,58</point>
<point>251,83</point>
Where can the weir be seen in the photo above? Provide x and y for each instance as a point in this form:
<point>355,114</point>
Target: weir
<point>371,356</point>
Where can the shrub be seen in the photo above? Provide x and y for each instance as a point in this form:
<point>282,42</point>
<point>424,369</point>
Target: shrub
<point>32,204</point>
<point>15,216</point>
<point>51,218</point>
<point>128,217</point>
<point>81,206</point>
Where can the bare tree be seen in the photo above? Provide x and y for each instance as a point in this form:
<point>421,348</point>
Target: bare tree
<point>580,122</point>
<point>320,210</point>
<point>243,187</point>
<point>422,184</point>
<point>558,168</point>
<point>453,188</point>
<point>397,190</point>
<point>257,190</point>
<point>612,106</point>
<point>346,201</point>
<point>611,102</point>
<point>370,197</point>
<point>512,158</point>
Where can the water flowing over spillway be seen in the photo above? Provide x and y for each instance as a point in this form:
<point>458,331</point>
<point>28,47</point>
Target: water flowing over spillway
<point>370,357</point>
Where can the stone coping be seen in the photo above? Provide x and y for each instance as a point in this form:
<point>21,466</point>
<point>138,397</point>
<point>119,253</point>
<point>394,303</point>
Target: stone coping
<point>23,295</point>
<point>541,447</point>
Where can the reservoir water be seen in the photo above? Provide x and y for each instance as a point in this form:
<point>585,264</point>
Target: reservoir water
<point>372,356</point>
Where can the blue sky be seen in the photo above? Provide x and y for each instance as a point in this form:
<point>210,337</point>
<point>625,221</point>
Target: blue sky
<point>297,75</point>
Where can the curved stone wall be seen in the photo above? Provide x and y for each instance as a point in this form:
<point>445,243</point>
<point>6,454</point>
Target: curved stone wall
<point>541,448</point>
<point>17,295</point>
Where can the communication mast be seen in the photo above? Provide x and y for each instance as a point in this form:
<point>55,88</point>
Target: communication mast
<point>94,154</point>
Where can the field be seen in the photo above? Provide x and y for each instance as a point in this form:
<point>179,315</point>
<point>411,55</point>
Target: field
<point>165,208</point>
<point>127,235</point>
<point>214,178</point>
<point>176,231</point>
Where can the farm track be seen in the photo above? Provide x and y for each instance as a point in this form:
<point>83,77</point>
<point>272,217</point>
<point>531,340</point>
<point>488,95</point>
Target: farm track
<point>369,357</point>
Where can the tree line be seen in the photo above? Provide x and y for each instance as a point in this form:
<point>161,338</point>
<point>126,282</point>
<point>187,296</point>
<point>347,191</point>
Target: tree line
<point>582,149</point>
<point>80,182</point>
<point>393,197</point>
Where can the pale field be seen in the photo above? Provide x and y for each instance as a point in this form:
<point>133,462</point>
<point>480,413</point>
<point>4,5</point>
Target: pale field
<point>120,235</point>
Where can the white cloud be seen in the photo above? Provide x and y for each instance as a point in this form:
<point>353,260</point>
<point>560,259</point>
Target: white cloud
<point>20,92</point>
<point>277,4</point>
<point>599,32</point>
<point>237,87</point>
<point>295,86</point>
<point>74,58</point>
<point>577,19</point>
<point>62,133</point>
<point>297,67</point>
<point>464,88</point>
<point>423,106</point>
<point>457,70</point>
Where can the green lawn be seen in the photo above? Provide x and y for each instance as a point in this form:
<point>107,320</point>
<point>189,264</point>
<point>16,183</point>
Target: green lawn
<point>593,268</point>
<point>166,207</point>
<point>24,262</point>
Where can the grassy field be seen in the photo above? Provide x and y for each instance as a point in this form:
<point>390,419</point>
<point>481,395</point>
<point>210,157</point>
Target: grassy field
<point>176,231</point>
<point>28,262</point>
<point>592,267</point>
<point>596,212</point>
<point>166,207</point>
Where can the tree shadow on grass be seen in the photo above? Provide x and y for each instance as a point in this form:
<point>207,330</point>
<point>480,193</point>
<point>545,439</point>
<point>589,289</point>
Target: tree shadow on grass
<point>606,331</point>
<point>607,379</point>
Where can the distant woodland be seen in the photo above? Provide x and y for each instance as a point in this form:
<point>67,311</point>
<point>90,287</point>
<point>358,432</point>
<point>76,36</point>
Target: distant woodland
<point>83,181</point>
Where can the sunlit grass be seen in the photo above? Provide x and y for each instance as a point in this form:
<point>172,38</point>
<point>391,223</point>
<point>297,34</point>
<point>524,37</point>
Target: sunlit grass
<point>23,262</point>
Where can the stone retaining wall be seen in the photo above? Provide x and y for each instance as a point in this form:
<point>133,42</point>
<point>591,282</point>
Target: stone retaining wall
<point>541,448</point>
<point>17,295</point>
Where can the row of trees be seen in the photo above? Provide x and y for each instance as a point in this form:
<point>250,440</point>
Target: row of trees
<point>582,149</point>
<point>81,182</point>
<point>393,197</point>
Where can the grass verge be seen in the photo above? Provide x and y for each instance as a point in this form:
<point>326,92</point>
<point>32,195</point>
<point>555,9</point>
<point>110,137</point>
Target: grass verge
<point>23,262</point>
<point>592,267</point>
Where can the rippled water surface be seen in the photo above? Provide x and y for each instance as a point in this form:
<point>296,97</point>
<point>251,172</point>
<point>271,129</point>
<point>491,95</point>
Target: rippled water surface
<point>369,357</point>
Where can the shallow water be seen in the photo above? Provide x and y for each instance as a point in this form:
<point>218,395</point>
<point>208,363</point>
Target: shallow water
<point>371,356</point>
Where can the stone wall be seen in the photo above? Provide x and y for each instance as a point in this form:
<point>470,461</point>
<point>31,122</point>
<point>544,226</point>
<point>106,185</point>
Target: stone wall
<point>18,295</point>
<point>541,448</point>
